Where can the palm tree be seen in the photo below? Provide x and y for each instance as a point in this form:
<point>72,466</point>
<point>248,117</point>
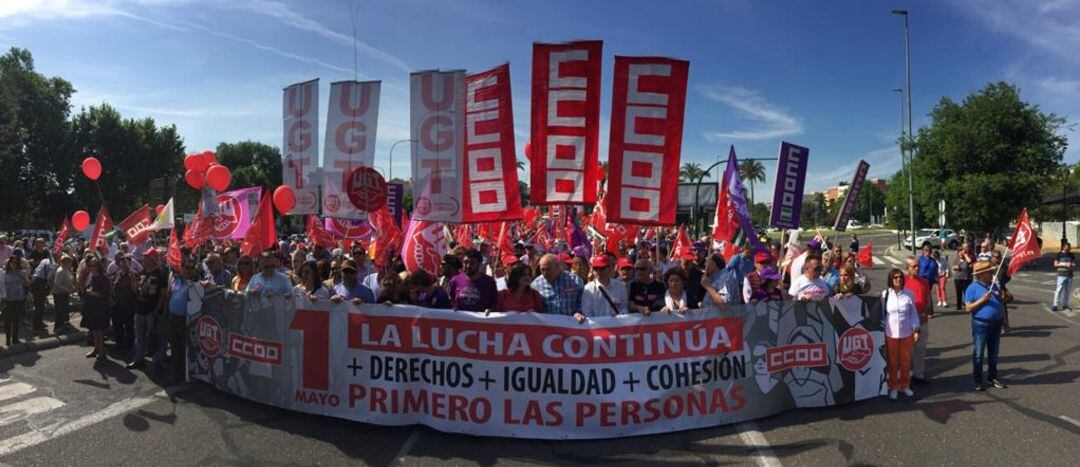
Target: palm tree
<point>690,172</point>
<point>752,171</point>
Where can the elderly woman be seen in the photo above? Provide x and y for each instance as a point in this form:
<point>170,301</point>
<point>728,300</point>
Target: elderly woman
<point>95,311</point>
<point>16,284</point>
<point>675,296</point>
<point>901,332</point>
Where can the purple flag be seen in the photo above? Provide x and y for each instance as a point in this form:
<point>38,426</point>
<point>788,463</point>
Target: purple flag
<point>852,196</point>
<point>790,179</point>
<point>579,241</point>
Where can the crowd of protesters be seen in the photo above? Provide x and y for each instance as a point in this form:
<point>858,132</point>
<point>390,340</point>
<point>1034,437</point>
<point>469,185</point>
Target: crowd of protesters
<point>144,302</point>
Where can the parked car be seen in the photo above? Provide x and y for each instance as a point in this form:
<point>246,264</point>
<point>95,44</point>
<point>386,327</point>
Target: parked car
<point>933,237</point>
<point>854,224</point>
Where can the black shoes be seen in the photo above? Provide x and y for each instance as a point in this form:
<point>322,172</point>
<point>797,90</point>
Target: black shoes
<point>979,387</point>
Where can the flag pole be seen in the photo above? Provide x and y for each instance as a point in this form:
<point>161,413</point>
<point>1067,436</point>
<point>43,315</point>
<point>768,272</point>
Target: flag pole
<point>998,270</point>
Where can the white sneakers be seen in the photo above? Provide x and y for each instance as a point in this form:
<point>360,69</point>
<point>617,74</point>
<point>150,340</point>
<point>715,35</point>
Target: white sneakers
<point>908,392</point>
<point>892,394</point>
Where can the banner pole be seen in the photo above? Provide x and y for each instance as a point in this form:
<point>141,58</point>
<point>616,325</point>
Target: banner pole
<point>996,272</point>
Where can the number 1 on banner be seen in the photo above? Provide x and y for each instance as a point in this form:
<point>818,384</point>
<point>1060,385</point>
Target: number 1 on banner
<point>314,326</point>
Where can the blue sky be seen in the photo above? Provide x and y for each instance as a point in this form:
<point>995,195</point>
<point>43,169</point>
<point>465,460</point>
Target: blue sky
<point>813,73</point>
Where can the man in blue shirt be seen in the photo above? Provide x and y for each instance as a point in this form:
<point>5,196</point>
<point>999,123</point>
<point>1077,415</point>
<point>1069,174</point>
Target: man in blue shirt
<point>928,268</point>
<point>560,290</point>
<point>269,282</point>
<point>350,287</point>
<point>983,299</point>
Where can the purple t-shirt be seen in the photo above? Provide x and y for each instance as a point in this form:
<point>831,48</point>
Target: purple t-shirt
<point>473,295</point>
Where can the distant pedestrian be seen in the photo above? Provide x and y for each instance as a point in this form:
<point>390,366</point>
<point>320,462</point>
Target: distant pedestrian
<point>1065,263</point>
<point>63,285</point>
<point>942,278</point>
<point>854,246</point>
<point>921,295</point>
<point>95,310</point>
<point>962,273</point>
<point>986,303</point>
<point>15,288</point>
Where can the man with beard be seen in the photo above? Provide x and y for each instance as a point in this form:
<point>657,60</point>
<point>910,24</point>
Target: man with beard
<point>472,290</point>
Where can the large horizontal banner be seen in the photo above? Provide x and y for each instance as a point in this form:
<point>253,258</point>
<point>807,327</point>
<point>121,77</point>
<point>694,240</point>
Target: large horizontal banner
<point>538,376</point>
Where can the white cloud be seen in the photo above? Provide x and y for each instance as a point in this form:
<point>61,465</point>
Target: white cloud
<point>281,12</point>
<point>1052,27</point>
<point>884,162</point>
<point>773,122</point>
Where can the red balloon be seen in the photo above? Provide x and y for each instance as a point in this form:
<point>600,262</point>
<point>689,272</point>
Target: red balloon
<point>195,179</point>
<point>528,150</point>
<point>209,157</point>
<point>91,167</point>
<point>159,208</point>
<point>190,162</point>
<point>80,220</point>
<point>218,177</point>
<point>284,199</point>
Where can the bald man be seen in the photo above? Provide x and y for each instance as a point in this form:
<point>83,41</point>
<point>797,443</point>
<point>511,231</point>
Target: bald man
<point>560,290</point>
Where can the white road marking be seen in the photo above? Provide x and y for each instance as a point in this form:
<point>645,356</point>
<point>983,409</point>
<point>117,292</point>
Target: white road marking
<point>14,412</point>
<point>38,436</point>
<point>1057,315</point>
<point>878,261</point>
<point>405,448</point>
<point>893,260</point>
<point>11,391</point>
<point>1069,419</point>
<point>756,441</point>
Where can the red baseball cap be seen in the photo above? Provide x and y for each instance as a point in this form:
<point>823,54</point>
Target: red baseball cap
<point>600,261</point>
<point>762,257</point>
<point>566,258</point>
<point>625,263</point>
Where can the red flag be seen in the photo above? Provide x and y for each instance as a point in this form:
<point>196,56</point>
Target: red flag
<point>137,226</point>
<point>865,257</point>
<point>505,245</point>
<point>173,257</point>
<point>317,234</point>
<point>387,236</point>
<point>565,122</point>
<point>486,231</point>
<point>723,230</point>
<point>530,215</point>
<point>644,157</point>
<point>261,235</point>
<point>103,226</point>
<point>1023,244</point>
<point>543,238</point>
<point>424,246</point>
<point>682,244</point>
<point>199,231</point>
<point>61,238</point>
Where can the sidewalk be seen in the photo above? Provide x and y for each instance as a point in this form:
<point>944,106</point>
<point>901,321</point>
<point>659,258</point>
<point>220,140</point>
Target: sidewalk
<point>35,343</point>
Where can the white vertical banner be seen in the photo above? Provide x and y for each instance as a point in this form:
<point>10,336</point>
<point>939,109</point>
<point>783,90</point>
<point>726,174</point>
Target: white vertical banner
<point>351,121</point>
<point>437,117</point>
<point>300,151</point>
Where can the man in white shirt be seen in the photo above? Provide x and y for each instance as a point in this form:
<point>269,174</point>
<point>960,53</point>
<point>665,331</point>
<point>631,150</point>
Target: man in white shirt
<point>604,295</point>
<point>813,248</point>
<point>810,285</point>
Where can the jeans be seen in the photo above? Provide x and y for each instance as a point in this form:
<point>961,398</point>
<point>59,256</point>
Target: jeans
<point>961,287</point>
<point>145,326</point>
<point>178,344</point>
<point>987,336</point>
<point>1061,293</point>
<point>61,309</point>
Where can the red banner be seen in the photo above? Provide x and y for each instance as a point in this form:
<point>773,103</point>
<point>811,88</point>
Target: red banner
<point>646,139</point>
<point>565,122</point>
<point>1024,244</point>
<point>137,226</point>
<point>61,238</point>
<point>490,177</point>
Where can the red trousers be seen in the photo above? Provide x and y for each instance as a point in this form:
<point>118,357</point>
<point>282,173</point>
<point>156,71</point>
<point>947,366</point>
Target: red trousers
<point>899,352</point>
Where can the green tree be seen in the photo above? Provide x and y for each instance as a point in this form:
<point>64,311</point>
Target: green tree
<point>759,215</point>
<point>36,165</point>
<point>132,152</point>
<point>752,171</point>
<point>988,157</point>
<point>690,172</point>
<point>252,164</point>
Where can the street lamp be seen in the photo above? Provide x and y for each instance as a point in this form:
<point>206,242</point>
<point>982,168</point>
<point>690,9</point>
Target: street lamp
<point>1064,205</point>
<point>390,163</point>
<point>911,159</point>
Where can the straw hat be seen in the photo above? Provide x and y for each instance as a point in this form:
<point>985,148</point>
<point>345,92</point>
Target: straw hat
<point>981,267</point>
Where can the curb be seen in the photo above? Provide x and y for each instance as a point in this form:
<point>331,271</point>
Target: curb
<point>44,343</point>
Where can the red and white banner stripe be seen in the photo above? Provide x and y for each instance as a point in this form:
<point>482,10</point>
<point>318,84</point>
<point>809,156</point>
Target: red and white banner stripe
<point>490,175</point>
<point>565,122</point>
<point>351,122</point>
<point>300,151</point>
<point>646,137</point>
<point>438,127</point>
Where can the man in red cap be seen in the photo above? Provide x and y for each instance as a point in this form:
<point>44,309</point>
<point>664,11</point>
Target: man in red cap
<point>626,270</point>
<point>604,295</point>
<point>762,260</point>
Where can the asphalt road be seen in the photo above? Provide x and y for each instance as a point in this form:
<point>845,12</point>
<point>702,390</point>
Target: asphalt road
<point>58,408</point>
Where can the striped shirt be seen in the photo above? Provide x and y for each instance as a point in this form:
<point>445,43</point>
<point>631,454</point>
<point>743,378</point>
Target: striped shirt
<point>562,297</point>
